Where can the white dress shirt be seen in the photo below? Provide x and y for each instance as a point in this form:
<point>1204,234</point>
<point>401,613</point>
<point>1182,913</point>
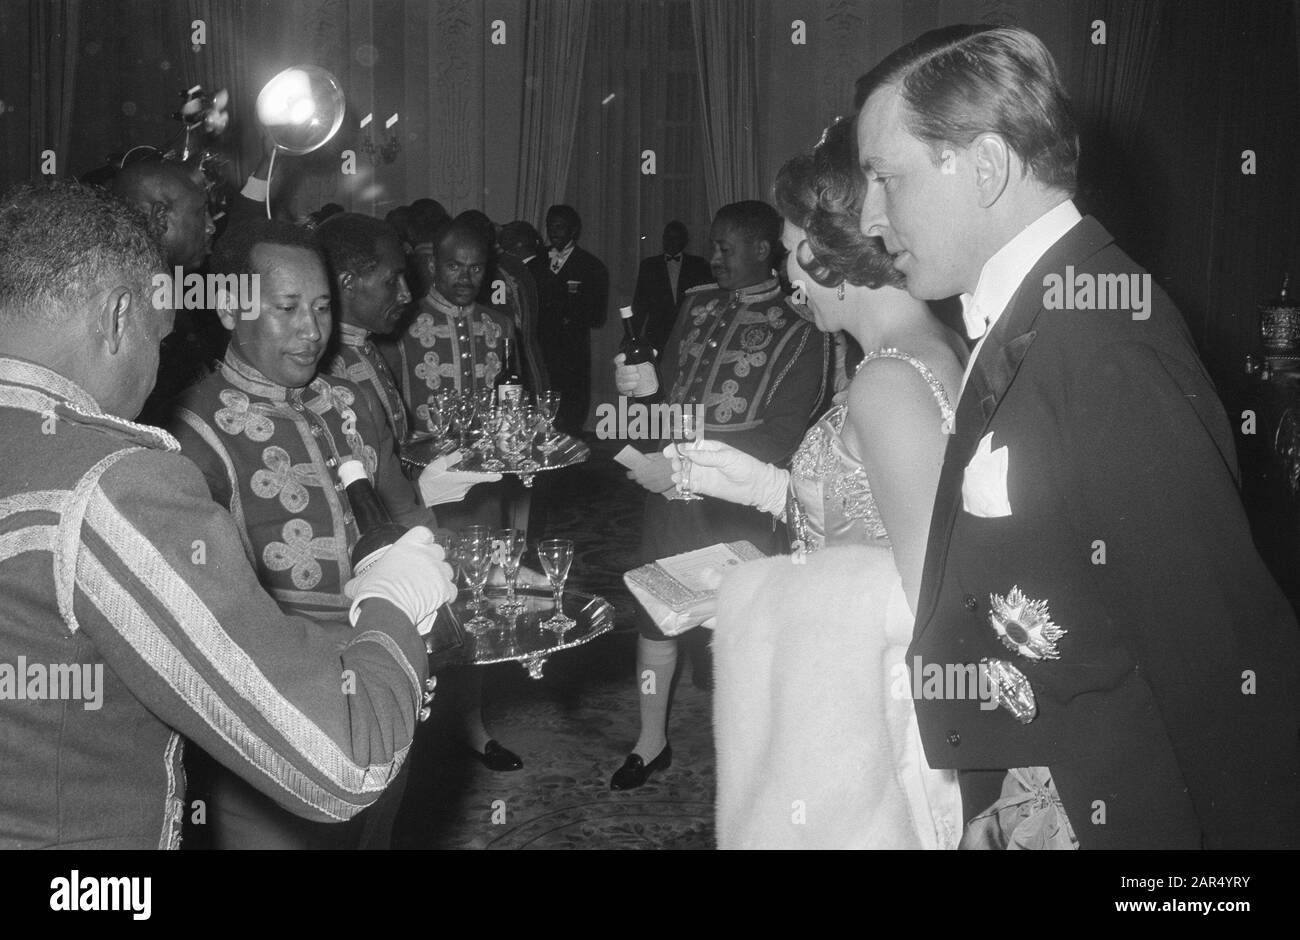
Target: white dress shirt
<point>1001,275</point>
<point>560,258</point>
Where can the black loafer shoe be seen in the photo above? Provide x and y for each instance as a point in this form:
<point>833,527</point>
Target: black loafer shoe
<point>495,757</point>
<point>635,771</point>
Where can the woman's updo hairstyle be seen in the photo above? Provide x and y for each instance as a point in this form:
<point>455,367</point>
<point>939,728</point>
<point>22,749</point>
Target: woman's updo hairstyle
<point>822,193</point>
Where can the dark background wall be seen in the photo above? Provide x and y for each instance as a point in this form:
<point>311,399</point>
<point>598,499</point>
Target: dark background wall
<point>1223,78</point>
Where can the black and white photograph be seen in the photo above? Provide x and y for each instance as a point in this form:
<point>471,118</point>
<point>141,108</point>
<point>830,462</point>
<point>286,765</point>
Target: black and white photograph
<point>623,425</point>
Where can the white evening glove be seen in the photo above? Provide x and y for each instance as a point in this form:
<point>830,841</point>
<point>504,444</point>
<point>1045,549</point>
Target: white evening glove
<point>440,484</point>
<point>412,575</point>
<point>636,381</point>
<point>722,471</point>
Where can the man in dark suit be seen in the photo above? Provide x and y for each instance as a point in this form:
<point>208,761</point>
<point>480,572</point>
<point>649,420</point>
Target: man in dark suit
<point>1088,548</point>
<point>573,289</point>
<point>662,282</point>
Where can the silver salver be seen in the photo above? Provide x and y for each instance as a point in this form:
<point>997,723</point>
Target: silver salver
<point>422,449</point>
<point>521,638</point>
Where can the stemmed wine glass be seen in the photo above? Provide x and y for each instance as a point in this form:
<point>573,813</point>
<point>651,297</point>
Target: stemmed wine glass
<point>463,412</point>
<point>556,555</point>
<point>474,555</point>
<point>548,405</point>
<point>437,414</point>
<point>686,428</point>
<point>508,549</point>
<point>534,427</point>
<point>512,439</point>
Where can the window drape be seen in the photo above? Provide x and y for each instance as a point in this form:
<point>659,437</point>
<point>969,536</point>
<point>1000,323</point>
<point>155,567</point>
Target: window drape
<point>54,43</point>
<point>726,40</point>
<point>553,65</point>
<point>638,95</point>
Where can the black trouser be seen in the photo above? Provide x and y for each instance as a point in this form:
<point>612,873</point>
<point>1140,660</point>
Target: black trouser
<point>568,360</point>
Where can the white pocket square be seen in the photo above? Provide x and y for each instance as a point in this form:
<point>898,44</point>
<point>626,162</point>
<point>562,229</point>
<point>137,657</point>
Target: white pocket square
<point>984,485</point>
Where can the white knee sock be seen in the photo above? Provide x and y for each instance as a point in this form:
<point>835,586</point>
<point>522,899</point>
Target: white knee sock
<point>656,661</point>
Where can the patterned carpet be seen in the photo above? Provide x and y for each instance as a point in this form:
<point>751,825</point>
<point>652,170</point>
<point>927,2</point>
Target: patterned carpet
<point>575,726</point>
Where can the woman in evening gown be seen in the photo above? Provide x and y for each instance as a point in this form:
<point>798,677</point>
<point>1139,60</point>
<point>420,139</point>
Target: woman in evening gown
<point>816,737</point>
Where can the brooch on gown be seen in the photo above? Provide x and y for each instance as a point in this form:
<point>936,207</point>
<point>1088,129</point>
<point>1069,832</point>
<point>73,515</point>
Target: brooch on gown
<point>1025,627</point>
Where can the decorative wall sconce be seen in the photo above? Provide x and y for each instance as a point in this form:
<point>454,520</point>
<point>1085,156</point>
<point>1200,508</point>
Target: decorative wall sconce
<point>388,151</point>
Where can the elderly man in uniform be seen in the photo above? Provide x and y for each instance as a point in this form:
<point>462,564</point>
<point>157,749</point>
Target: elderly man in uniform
<point>116,562</point>
<point>742,350</point>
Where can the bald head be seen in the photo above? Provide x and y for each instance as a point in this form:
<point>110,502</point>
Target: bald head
<point>174,206</point>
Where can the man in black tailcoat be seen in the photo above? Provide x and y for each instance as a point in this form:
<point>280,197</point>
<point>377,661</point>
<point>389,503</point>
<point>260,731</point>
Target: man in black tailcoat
<point>662,282</point>
<point>573,288</point>
<point>1088,548</point>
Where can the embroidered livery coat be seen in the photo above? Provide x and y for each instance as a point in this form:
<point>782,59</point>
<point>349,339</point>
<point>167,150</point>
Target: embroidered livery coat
<point>113,556</point>
<point>760,370</point>
<point>270,454</point>
<point>448,348</point>
<point>358,360</point>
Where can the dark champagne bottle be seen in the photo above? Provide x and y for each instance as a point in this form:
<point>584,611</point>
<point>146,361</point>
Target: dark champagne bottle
<point>636,351</point>
<point>510,387</point>
<point>376,527</point>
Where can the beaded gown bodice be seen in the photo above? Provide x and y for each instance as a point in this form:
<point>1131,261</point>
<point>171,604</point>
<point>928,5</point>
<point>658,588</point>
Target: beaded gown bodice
<point>829,501</point>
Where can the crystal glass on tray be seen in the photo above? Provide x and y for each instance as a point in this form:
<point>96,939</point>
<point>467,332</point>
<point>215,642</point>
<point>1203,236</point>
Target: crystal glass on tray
<point>556,556</point>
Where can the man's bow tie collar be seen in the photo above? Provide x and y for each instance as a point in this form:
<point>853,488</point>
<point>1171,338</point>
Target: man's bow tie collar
<point>977,322</point>
<point>672,258</point>
<point>559,256</point>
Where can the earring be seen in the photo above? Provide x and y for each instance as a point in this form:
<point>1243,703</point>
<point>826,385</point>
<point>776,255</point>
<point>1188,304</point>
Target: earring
<point>839,291</point>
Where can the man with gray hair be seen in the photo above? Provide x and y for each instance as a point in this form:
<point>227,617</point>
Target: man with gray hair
<point>113,554</point>
<point>1087,545</point>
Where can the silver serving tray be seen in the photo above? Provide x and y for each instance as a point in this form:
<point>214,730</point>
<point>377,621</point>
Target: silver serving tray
<point>521,637</point>
<point>421,450</point>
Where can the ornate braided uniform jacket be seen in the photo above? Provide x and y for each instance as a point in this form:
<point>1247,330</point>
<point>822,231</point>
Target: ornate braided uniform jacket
<point>270,454</point>
<point>358,360</point>
<point>448,348</point>
<point>760,371</point>
<point>116,562</point>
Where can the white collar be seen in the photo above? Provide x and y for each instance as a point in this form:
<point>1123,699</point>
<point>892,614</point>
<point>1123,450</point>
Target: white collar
<point>1001,275</point>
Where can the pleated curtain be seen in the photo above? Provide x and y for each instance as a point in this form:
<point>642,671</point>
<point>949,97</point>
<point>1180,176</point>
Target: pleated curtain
<point>555,51</point>
<point>53,50</point>
<point>726,40</point>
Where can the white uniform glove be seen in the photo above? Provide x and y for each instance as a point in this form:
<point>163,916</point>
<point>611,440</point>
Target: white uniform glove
<point>722,471</point>
<point>412,575</point>
<point>636,381</point>
<point>440,484</point>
